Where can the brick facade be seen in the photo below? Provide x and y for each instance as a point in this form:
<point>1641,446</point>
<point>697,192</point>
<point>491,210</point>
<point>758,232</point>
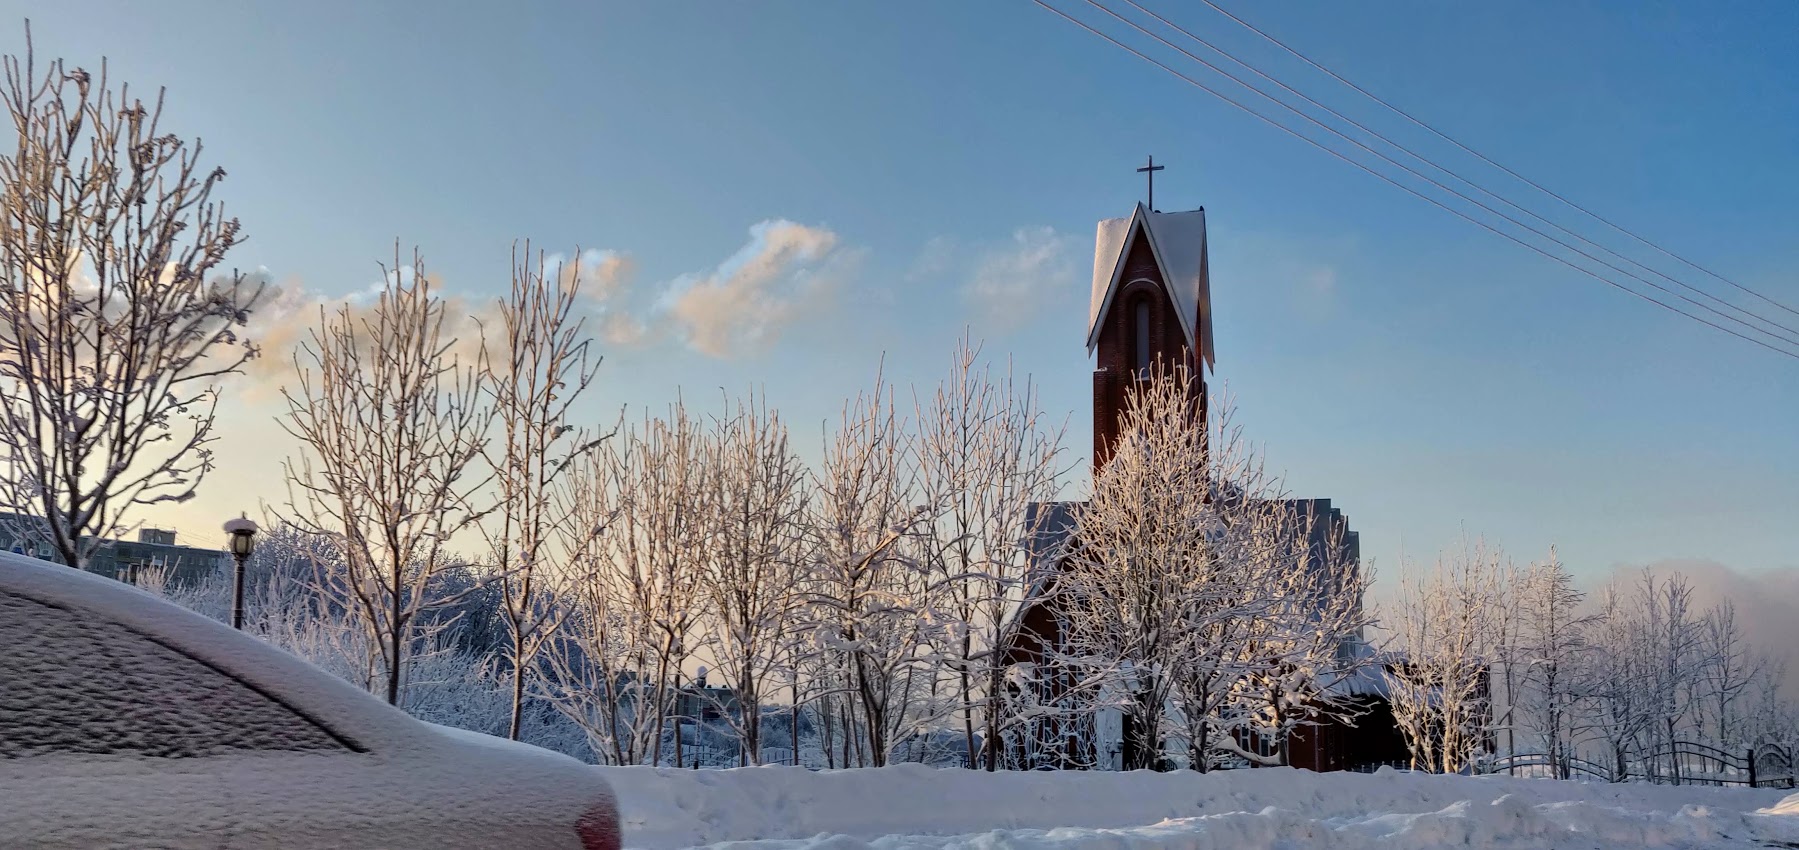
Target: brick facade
<point>1117,347</point>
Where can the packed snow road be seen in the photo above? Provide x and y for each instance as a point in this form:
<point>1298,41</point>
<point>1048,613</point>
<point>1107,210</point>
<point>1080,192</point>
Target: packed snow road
<point>910,807</point>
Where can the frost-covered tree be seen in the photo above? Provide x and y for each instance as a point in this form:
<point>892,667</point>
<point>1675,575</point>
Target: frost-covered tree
<point>595,658</point>
<point>752,566</point>
<point>641,511</point>
<point>1673,645</point>
<point>535,373</point>
<point>1145,580</point>
<point>1645,687</point>
<point>117,323</point>
<point>1729,667</point>
<point>1212,605</point>
<point>1769,717</point>
<point>391,429</point>
<point>1210,681</point>
<point>1554,643</point>
<point>1616,681</point>
<point>867,602</point>
<point>985,453</point>
<point>1439,657</point>
<point>1304,641</point>
<point>1232,617</point>
<point>1508,651</point>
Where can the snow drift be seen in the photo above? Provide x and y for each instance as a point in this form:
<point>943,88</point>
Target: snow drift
<point>911,806</point>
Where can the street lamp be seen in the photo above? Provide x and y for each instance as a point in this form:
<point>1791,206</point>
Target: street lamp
<point>243,542</point>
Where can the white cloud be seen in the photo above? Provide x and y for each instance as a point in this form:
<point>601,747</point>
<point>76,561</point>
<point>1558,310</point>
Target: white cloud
<point>287,314</point>
<point>745,303</point>
<point>278,323</point>
<point>1012,283</point>
<point>604,277</point>
<point>624,330</point>
<point>785,271</point>
<point>603,274</point>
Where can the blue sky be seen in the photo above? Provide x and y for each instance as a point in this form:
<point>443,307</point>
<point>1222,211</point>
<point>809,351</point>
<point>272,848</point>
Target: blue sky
<point>940,161</point>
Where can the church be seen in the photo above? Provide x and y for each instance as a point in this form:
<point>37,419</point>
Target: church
<point>1150,303</point>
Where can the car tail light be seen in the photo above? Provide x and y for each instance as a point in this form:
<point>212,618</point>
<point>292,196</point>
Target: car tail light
<point>598,826</point>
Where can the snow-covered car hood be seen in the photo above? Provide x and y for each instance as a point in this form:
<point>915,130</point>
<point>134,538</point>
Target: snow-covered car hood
<point>396,782</point>
<point>516,748</point>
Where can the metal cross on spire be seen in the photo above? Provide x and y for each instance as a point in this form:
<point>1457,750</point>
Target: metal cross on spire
<point>1151,169</point>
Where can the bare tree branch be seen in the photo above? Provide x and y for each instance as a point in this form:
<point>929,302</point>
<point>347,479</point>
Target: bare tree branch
<point>391,430</point>
<point>116,322</point>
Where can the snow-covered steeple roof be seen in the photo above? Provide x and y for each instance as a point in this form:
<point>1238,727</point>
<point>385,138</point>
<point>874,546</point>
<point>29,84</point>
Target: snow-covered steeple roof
<point>1178,242</point>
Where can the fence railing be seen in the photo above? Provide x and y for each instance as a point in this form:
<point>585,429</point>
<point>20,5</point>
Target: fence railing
<point>1372,766</point>
<point>1564,767</point>
<point>1676,763</point>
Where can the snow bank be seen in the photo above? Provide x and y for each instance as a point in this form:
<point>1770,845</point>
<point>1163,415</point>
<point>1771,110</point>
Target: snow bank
<point>1788,806</point>
<point>911,806</point>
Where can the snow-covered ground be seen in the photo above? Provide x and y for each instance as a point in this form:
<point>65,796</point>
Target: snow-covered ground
<point>911,806</point>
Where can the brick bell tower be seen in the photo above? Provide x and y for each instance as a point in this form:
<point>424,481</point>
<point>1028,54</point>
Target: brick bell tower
<point>1151,303</point>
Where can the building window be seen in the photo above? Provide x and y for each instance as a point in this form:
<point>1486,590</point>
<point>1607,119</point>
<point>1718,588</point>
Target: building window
<point>1142,338</point>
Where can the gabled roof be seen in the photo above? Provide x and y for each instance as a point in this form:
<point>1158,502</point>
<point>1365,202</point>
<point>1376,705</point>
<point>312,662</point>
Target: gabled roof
<point>1178,242</point>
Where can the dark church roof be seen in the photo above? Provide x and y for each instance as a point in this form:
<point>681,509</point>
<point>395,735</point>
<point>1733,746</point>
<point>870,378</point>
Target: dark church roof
<point>1048,529</point>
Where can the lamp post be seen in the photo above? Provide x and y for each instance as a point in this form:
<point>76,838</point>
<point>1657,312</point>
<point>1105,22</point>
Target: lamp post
<point>243,542</point>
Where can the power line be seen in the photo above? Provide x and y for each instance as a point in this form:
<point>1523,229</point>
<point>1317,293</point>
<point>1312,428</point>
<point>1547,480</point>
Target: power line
<point>1427,178</point>
<point>1483,158</point>
<point>1784,338</point>
<point>1464,181</point>
<point>1433,201</point>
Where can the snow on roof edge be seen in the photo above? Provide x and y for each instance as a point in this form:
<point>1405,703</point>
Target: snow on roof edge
<point>1178,243</point>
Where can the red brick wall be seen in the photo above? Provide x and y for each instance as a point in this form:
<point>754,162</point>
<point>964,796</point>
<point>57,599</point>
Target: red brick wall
<point>1116,348</point>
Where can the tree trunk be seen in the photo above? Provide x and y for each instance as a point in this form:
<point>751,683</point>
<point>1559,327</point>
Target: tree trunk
<point>393,666</point>
<point>1673,753</point>
<point>967,704</point>
<point>794,722</point>
<point>749,712</point>
<point>847,720</point>
<point>518,685</point>
<point>827,733</point>
<point>990,746</point>
<point>1143,741</point>
<point>395,627</point>
<point>874,718</point>
<point>1280,731</point>
<point>1201,744</point>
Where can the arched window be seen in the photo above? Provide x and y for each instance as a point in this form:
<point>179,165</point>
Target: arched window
<point>1142,338</point>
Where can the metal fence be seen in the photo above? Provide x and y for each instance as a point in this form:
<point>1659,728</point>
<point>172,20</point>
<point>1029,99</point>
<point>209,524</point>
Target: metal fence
<point>1676,763</point>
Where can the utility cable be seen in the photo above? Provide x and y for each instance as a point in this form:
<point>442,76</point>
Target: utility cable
<point>1459,178</point>
<point>1787,338</point>
<point>1483,158</point>
<point>1433,201</point>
